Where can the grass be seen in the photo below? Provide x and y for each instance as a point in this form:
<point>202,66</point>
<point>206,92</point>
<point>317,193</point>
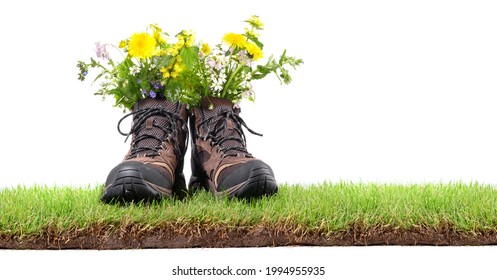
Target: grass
<point>324,208</point>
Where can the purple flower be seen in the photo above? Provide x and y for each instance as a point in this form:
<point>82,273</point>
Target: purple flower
<point>101,51</point>
<point>138,80</point>
<point>152,94</point>
<point>85,73</point>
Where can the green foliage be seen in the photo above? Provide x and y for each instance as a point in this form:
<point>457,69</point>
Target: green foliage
<point>277,67</point>
<point>189,56</point>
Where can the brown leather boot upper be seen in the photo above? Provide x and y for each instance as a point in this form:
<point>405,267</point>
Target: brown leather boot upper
<point>220,160</point>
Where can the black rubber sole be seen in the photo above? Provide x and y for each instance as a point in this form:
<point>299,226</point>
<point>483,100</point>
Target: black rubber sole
<point>129,186</point>
<point>260,183</point>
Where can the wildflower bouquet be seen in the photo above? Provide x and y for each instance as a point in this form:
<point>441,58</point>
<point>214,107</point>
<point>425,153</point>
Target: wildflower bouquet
<point>151,66</point>
<point>185,70</point>
<point>227,70</point>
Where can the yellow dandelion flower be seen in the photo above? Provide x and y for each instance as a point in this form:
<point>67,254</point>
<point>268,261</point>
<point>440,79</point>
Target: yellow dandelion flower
<point>254,50</point>
<point>141,45</point>
<point>174,74</point>
<point>122,44</point>
<point>206,49</point>
<point>235,40</point>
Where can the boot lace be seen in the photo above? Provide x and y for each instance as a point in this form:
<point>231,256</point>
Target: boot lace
<point>215,129</point>
<point>139,129</point>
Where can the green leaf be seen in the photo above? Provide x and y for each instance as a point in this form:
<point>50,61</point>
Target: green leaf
<point>189,56</point>
<point>93,62</point>
<point>98,77</point>
<point>164,61</point>
<point>255,40</point>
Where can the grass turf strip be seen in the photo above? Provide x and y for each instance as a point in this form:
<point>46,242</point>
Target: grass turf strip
<point>323,208</point>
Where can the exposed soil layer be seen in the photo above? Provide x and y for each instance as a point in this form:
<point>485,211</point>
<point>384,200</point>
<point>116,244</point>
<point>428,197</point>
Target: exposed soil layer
<point>200,236</point>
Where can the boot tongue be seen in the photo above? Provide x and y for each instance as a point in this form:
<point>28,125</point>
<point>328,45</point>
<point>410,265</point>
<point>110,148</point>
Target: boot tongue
<point>149,124</point>
<point>155,103</point>
<point>212,107</point>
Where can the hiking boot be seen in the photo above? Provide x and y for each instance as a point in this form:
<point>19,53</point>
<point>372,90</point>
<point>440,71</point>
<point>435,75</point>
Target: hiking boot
<point>220,160</point>
<point>153,167</point>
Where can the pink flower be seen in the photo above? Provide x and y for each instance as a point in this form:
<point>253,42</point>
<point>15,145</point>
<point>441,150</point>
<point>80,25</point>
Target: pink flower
<point>210,62</point>
<point>101,51</point>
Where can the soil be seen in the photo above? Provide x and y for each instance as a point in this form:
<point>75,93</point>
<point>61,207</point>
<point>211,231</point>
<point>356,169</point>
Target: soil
<point>192,236</point>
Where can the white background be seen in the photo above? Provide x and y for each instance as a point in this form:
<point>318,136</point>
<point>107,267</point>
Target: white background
<point>341,263</point>
<point>391,91</point>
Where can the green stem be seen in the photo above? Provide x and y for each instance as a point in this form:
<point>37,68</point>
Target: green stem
<point>101,66</point>
<point>119,50</point>
<point>233,74</point>
<point>204,78</point>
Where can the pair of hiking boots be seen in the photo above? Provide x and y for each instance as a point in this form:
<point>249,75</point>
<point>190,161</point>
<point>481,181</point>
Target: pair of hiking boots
<point>153,167</point>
